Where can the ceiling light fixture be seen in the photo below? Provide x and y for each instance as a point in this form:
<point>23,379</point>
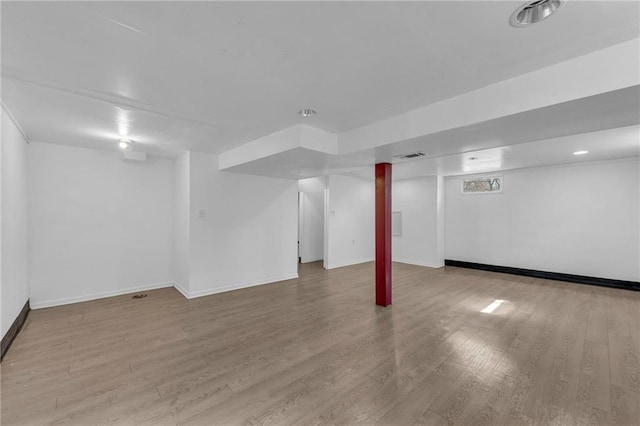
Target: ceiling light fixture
<point>580,152</point>
<point>534,11</point>
<point>125,143</point>
<point>307,112</point>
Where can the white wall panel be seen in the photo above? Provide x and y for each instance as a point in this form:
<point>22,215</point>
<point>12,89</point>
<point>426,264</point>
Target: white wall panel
<point>99,226</point>
<point>243,228</point>
<point>418,202</point>
<point>578,219</point>
<point>181,221</point>
<point>350,221</point>
<point>14,224</point>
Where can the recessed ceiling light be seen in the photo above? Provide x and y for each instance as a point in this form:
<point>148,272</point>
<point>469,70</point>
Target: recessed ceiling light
<point>125,143</point>
<point>307,112</point>
<point>534,11</point>
<point>580,152</point>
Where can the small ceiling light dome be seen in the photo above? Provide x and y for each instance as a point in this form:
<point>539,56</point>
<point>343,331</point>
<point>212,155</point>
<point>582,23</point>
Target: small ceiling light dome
<point>534,11</point>
<point>307,112</point>
<point>125,143</point>
<point>580,152</point>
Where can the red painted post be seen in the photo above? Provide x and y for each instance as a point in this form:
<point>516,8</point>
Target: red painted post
<point>383,234</point>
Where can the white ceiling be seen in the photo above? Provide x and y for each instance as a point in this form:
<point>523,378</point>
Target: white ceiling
<point>603,145</point>
<point>210,76</point>
<point>605,124</point>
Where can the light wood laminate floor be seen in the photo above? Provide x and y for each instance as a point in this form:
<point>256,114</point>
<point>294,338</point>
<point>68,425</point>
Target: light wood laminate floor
<point>316,350</point>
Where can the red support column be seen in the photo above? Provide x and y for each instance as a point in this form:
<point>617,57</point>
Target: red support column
<point>383,234</point>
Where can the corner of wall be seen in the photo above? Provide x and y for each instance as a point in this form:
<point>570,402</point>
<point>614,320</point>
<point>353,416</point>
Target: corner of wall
<point>325,262</point>
<point>181,222</point>
<point>182,290</point>
<point>14,206</point>
<point>440,219</point>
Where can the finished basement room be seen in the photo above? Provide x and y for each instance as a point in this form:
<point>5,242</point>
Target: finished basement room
<point>314,212</point>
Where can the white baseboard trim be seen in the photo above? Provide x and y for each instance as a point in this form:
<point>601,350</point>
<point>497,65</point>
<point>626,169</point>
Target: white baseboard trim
<point>355,262</point>
<point>181,289</point>
<point>232,287</point>
<point>178,287</point>
<point>419,263</point>
<point>101,295</point>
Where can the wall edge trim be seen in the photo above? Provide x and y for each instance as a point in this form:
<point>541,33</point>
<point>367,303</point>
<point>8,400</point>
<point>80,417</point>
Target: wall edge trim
<point>101,295</point>
<point>557,276</point>
<point>183,291</point>
<point>419,263</point>
<point>14,329</point>
<point>15,121</point>
<point>239,286</point>
<point>355,262</point>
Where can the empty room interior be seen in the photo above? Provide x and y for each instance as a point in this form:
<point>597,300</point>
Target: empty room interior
<point>296,213</point>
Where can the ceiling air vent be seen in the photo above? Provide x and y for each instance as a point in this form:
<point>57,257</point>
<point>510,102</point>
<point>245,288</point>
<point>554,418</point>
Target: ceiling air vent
<point>410,156</point>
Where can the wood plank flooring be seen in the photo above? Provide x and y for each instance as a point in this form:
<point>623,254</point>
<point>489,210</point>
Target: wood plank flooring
<point>316,350</point>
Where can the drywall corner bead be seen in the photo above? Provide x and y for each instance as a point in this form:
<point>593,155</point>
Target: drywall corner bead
<point>13,119</point>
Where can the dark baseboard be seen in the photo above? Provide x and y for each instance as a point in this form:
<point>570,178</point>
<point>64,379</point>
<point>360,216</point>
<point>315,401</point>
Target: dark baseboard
<point>580,279</point>
<point>13,331</point>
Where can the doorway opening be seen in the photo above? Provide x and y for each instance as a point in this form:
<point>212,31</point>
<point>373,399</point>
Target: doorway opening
<point>311,210</point>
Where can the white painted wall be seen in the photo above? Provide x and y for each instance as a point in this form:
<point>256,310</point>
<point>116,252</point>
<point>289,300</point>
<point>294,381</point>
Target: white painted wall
<point>243,228</point>
<point>577,219</point>
<point>14,245</point>
<point>99,226</point>
<point>350,233</point>
<point>181,222</point>
<point>311,219</point>
<point>417,199</point>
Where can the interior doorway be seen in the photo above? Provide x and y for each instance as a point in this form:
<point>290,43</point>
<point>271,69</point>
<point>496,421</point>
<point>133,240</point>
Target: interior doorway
<point>311,199</point>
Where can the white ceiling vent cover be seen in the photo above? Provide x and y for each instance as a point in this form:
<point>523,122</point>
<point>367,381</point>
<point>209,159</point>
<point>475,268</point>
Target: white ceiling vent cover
<point>410,156</point>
